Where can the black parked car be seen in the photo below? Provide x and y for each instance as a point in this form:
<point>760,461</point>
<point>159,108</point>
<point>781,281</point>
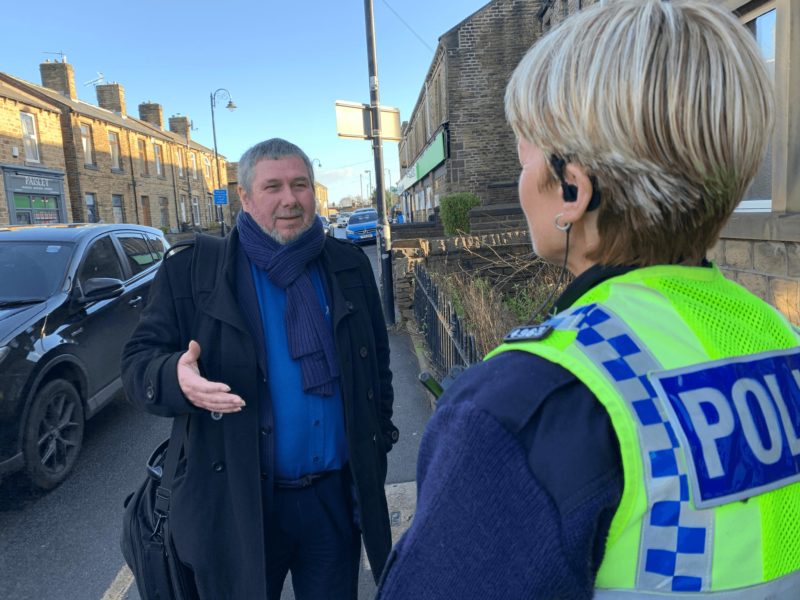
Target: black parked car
<point>70,296</point>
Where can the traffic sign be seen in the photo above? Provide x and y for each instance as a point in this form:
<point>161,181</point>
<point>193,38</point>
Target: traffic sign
<point>220,197</point>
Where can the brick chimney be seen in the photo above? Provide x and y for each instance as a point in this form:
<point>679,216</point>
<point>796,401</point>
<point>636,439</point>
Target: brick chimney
<point>111,96</point>
<point>152,113</point>
<point>180,124</point>
<point>59,76</point>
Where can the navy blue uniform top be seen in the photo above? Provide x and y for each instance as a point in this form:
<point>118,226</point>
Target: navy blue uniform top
<point>519,476</point>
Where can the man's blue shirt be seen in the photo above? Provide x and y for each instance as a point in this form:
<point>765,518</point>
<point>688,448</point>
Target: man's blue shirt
<point>309,429</point>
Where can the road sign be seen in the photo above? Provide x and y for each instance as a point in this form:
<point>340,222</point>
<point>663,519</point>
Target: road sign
<point>220,197</point>
<point>353,120</point>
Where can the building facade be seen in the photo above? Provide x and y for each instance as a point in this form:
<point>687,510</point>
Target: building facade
<point>457,139</point>
<point>33,184</point>
<point>119,168</point>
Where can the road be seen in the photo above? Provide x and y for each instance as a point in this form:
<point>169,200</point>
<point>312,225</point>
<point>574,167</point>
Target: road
<point>65,544</point>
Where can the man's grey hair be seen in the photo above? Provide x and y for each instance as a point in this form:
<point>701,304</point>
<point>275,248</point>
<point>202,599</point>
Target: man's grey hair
<point>272,149</point>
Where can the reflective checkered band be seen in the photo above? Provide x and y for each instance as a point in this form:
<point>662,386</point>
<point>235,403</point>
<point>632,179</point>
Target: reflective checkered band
<point>676,540</point>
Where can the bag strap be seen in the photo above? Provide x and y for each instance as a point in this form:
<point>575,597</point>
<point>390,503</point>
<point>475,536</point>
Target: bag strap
<point>206,262</point>
<point>209,252</point>
<point>177,439</point>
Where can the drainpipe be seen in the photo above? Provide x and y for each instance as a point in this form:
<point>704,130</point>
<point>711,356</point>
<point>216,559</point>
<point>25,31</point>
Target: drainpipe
<point>133,180</point>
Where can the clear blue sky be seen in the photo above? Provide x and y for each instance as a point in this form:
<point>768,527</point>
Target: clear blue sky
<point>284,63</point>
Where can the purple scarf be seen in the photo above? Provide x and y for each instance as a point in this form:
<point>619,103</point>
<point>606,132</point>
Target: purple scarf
<point>308,335</point>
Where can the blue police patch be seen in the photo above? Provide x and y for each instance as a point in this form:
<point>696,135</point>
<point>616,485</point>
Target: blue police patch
<point>738,420</point>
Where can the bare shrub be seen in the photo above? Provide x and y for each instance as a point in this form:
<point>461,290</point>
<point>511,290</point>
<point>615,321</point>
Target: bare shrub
<point>502,292</point>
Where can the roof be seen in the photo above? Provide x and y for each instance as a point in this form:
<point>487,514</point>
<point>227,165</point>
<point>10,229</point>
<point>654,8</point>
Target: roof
<point>9,91</point>
<point>65,232</point>
<point>95,112</point>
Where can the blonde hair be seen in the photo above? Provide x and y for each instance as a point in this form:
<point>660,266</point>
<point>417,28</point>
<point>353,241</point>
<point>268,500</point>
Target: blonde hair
<point>667,104</point>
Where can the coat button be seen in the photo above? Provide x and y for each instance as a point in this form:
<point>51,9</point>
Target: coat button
<point>150,392</point>
<point>350,306</point>
<point>370,394</point>
<point>263,432</point>
<point>363,352</point>
<point>395,435</point>
<point>218,467</point>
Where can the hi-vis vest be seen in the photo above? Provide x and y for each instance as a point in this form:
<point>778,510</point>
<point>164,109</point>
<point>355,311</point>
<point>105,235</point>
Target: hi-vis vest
<point>701,381</point>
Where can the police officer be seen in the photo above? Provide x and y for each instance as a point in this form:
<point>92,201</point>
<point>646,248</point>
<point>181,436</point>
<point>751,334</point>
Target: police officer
<point>644,440</point>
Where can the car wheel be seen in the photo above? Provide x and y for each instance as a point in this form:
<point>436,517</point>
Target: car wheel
<point>53,434</point>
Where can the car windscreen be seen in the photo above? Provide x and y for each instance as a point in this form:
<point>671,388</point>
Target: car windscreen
<point>363,217</point>
<point>32,271</point>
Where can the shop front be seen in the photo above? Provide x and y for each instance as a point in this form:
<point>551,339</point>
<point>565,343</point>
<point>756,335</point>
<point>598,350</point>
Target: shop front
<point>34,196</point>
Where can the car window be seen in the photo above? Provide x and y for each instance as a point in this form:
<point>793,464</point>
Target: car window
<point>138,253</point>
<point>101,260</point>
<point>32,270</point>
<point>156,246</point>
<point>363,217</point>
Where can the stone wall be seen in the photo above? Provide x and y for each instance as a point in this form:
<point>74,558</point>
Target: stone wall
<point>769,269</point>
<point>481,54</point>
<point>448,255</point>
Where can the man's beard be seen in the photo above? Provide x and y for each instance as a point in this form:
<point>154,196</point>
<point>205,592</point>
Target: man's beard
<point>281,239</point>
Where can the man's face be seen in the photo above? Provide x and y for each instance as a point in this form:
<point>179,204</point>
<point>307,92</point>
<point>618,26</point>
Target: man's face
<point>281,197</point>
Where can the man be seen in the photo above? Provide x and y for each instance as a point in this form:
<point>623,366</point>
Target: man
<point>283,366</point>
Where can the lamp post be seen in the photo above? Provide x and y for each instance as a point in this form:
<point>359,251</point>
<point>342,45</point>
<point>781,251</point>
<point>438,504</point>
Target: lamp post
<point>230,106</point>
<point>361,184</point>
<point>369,186</point>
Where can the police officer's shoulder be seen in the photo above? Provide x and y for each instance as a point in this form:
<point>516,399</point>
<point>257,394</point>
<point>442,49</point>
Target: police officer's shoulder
<point>510,386</point>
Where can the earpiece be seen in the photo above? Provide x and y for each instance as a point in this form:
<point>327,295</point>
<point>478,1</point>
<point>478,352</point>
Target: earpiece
<point>569,191</point>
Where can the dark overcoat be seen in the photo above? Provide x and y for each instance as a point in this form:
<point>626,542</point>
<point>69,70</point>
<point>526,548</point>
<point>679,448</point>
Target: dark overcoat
<point>216,515</point>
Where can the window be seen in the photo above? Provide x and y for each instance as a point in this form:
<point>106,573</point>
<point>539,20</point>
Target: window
<point>183,209</point>
<point>87,144</point>
<point>92,214</point>
<point>143,168</point>
<point>101,261</point>
<point>207,164</point>
<point>163,206</point>
<point>157,159</point>
<point>156,245</point>
<point>35,209</point>
<point>29,139</point>
<point>761,24</point>
<point>113,145</point>
<point>137,251</point>
<point>195,211</point>
<point>116,208</point>
<point>193,160</point>
<point>179,160</point>
<point>210,208</point>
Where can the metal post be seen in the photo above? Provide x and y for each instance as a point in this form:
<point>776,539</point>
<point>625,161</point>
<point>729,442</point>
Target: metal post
<point>220,215</point>
<point>384,245</point>
<point>231,106</point>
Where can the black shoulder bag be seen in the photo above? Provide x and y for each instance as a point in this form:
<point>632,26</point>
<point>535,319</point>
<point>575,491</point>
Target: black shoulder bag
<point>146,543</point>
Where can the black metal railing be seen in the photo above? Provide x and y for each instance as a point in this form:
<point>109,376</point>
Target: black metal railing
<point>447,338</point>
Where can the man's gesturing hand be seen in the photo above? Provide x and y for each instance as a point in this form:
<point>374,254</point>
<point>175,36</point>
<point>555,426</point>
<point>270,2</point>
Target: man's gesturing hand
<point>201,392</point>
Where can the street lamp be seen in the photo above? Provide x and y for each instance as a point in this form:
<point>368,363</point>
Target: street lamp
<point>369,187</point>
<point>230,106</point>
